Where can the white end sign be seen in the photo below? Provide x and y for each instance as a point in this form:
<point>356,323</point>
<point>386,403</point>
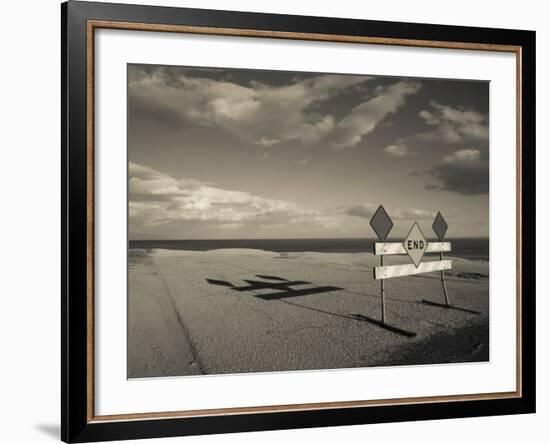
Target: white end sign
<point>415,244</point>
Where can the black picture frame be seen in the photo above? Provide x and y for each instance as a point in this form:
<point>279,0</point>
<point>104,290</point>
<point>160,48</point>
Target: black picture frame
<point>77,424</point>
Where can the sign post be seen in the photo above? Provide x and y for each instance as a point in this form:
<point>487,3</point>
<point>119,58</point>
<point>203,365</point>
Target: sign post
<point>414,245</point>
<point>382,224</point>
<point>382,295</point>
<point>440,228</point>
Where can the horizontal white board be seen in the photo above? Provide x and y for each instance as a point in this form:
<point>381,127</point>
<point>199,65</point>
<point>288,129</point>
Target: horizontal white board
<point>387,248</point>
<point>391,271</point>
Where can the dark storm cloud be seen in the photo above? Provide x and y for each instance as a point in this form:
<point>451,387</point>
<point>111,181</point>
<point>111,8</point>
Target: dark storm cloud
<point>454,125</point>
<point>464,172</point>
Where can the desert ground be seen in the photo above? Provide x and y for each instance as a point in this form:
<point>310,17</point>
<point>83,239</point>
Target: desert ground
<point>239,311</point>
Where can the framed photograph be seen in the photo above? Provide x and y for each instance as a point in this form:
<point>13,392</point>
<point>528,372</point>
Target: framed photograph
<point>276,221</point>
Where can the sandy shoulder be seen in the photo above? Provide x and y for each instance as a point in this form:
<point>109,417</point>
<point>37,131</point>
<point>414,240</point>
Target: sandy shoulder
<point>157,342</point>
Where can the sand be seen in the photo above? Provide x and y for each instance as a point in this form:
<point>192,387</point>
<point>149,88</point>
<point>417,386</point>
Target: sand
<point>193,312</point>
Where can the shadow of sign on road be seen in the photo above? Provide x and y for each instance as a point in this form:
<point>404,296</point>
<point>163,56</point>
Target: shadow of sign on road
<point>449,307</point>
<point>392,328</point>
<point>283,287</point>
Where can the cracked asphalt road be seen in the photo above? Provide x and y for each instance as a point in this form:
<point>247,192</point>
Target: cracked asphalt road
<point>240,311</point>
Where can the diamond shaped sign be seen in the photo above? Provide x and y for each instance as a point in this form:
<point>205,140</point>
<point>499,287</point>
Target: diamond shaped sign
<point>439,226</point>
<point>415,244</point>
<point>381,223</point>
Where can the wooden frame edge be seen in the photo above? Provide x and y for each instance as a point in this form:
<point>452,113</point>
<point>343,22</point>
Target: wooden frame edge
<point>285,408</point>
<point>91,25</point>
<point>519,225</point>
<point>237,32</point>
<point>90,187</point>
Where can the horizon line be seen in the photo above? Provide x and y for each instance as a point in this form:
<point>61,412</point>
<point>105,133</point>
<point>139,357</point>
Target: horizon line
<point>293,238</point>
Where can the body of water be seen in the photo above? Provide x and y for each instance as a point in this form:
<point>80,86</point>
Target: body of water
<point>468,248</point>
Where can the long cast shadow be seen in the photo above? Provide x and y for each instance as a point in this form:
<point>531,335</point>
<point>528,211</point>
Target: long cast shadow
<point>222,283</point>
<point>290,293</point>
<point>286,291</point>
<point>384,325</point>
<point>357,317</point>
<point>450,307</point>
<point>258,285</point>
<point>271,278</point>
<point>283,285</point>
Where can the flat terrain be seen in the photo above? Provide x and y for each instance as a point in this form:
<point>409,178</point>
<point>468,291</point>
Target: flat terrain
<point>238,310</point>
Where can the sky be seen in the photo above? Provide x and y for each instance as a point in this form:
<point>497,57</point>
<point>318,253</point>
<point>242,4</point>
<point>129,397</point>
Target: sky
<point>218,153</point>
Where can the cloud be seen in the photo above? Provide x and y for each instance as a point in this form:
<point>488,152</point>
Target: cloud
<point>365,117</point>
<point>257,113</point>
<point>265,142</point>
<point>160,203</point>
<point>465,171</point>
<point>157,199</point>
<point>367,210</point>
<point>398,150</point>
<point>262,114</point>
<point>454,126</point>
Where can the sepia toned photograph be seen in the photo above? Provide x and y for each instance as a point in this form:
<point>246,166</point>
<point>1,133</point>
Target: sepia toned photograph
<point>291,221</point>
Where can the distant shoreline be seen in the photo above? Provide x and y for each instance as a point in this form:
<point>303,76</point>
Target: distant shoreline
<point>467,248</point>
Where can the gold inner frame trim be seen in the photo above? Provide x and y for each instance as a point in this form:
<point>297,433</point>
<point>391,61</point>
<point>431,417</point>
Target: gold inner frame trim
<point>98,24</point>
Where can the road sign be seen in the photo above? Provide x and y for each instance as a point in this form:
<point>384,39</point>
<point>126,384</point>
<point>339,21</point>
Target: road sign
<point>415,244</point>
<point>393,248</point>
<point>391,271</point>
<point>439,226</point>
<point>381,223</point>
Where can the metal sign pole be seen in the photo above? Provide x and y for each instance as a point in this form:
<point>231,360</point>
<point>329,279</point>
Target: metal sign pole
<point>382,293</point>
<point>440,228</point>
<point>447,302</point>
<point>382,224</point>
